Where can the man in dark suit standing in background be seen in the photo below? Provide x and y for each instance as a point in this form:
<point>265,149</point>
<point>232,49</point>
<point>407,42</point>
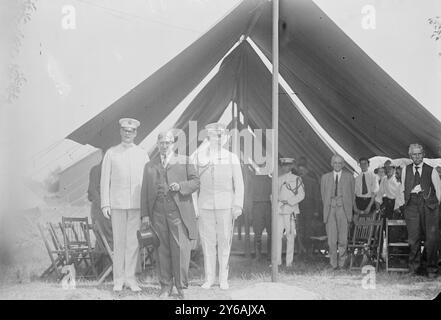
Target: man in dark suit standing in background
<point>337,190</point>
<point>261,210</point>
<point>166,204</point>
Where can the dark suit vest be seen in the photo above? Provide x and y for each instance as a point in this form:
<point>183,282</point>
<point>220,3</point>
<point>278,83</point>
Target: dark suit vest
<point>164,200</point>
<point>427,188</point>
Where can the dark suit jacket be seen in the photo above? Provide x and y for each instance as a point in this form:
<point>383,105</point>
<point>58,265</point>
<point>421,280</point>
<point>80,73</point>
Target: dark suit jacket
<point>347,183</point>
<point>93,191</point>
<point>312,201</point>
<point>179,170</point>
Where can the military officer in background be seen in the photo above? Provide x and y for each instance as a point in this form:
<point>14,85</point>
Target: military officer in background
<point>291,193</point>
<point>220,201</point>
<point>121,180</point>
<point>261,210</point>
<point>94,196</point>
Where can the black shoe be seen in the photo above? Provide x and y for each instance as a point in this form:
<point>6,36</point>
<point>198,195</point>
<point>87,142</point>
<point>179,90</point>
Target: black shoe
<point>165,292</point>
<point>180,294</point>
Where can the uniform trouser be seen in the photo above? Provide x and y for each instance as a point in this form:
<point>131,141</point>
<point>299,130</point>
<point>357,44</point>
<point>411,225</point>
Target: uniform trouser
<point>422,224</point>
<point>261,221</point>
<point>286,222</point>
<point>216,227</point>
<point>337,231</point>
<point>125,224</point>
<point>174,249</point>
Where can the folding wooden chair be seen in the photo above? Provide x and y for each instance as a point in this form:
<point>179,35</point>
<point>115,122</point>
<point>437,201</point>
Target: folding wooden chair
<point>397,249</point>
<point>364,246</point>
<point>102,243</point>
<point>77,245</point>
<point>56,251</point>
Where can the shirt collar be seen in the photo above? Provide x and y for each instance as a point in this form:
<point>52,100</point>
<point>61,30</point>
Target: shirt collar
<point>337,173</point>
<point>127,145</point>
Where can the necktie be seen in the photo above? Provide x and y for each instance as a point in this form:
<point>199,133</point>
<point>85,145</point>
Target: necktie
<point>163,162</point>
<point>336,185</point>
<point>364,188</point>
<point>417,180</point>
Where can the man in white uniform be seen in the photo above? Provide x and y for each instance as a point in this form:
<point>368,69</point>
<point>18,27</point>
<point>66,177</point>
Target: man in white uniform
<point>220,202</point>
<point>291,193</point>
<point>121,180</point>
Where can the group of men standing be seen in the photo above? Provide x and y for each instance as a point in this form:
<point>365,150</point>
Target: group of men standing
<point>138,194</point>
<point>417,192</point>
<point>135,193</point>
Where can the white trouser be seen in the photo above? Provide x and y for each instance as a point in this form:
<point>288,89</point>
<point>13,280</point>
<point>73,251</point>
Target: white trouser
<point>125,224</point>
<point>216,227</point>
<point>286,222</point>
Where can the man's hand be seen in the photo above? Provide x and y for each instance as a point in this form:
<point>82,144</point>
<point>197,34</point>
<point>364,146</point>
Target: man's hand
<point>145,224</point>
<point>377,205</point>
<point>106,212</point>
<point>237,211</point>
<point>175,186</point>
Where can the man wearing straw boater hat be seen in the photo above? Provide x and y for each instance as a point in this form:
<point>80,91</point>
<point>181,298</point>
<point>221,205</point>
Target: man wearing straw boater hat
<point>121,179</point>
<point>220,202</point>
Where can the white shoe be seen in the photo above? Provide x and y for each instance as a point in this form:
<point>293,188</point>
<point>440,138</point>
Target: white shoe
<point>117,287</point>
<point>207,285</point>
<point>133,286</point>
<point>224,285</point>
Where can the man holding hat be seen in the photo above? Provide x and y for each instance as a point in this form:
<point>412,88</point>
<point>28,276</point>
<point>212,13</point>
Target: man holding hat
<point>121,179</point>
<point>220,202</point>
<point>167,204</point>
<point>291,193</point>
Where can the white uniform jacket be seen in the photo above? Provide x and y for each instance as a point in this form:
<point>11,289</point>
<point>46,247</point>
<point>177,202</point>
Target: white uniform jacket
<point>221,180</point>
<point>291,189</point>
<point>121,176</point>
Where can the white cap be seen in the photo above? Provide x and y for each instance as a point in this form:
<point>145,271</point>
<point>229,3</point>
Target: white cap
<point>129,123</point>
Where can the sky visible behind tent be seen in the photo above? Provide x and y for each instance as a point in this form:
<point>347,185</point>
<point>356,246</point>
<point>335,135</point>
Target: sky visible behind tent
<point>74,74</point>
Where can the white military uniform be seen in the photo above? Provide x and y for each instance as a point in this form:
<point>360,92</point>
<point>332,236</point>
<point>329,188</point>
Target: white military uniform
<point>291,190</point>
<point>121,181</point>
<point>221,189</point>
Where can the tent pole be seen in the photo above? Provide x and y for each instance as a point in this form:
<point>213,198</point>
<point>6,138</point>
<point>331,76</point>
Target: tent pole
<point>275,173</point>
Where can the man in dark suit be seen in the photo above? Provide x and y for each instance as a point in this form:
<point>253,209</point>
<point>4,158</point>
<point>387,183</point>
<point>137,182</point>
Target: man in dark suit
<point>260,190</point>
<point>310,219</point>
<point>93,194</point>
<point>421,186</point>
<point>166,203</point>
<point>337,190</point>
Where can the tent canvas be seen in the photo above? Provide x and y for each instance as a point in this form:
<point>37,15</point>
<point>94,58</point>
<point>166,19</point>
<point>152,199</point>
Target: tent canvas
<point>353,99</point>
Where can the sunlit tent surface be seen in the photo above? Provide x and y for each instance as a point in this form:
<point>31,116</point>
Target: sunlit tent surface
<point>351,97</point>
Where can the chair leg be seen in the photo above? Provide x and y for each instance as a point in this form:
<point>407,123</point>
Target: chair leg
<point>104,274</point>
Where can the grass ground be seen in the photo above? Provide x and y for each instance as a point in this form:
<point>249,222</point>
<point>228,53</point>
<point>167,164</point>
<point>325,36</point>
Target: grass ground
<point>249,279</point>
